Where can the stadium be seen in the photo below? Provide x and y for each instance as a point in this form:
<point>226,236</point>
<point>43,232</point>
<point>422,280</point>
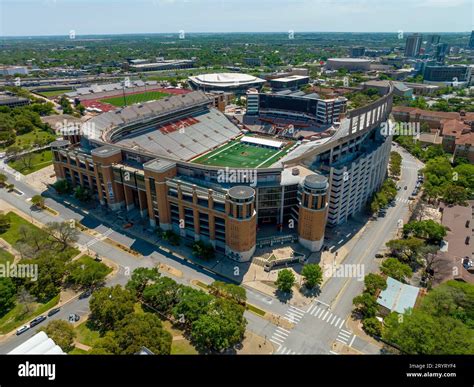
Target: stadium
<point>231,82</point>
<point>184,166</point>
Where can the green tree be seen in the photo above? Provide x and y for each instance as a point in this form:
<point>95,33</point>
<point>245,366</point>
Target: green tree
<point>192,304</point>
<point>430,230</point>
<point>234,292</point>
<point>372,326</point>
<point>51,271</point>
<point>4,223</point>
<point>65,233</point>
<point>408,250</point>
<point>141,330</point>
<point>222,327</point>
<point>313,275</point>
<point>62,187</point>
<point>86,272</point>
<point>141,278</point>
<point>7,295</point>
<point>454,194</point>
<point>203,250</point>
<point>374,282</point>
<point>37,201</point>
<point>109,306</point>
<point>366,304</point>
<point>3,179</point>
<point>62,333</point>
<point>392,267</point>
<point>162,295</point>
<point>285,281</point>
<point>420,333</point>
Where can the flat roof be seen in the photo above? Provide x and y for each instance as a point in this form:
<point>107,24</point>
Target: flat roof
<point>226,79</point>
<point>262,141</point>
<point>398,297</point>
<point>290,78</point>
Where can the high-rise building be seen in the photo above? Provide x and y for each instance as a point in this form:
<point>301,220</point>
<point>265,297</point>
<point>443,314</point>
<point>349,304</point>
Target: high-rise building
<point>442,49</point>
<point>357,52</point>
<point>413,45</point>
<point>471,42</point>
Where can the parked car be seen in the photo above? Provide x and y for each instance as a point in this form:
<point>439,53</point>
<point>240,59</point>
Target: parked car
<point>23,329</point>
<point>73,317</point>
<point>53,311</point>
<point>406,187</point>
<point>37,321</point>
<point>378,255</point>
<point>85,294</point>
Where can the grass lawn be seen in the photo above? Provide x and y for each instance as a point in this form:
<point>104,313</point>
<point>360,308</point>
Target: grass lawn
<point>135,98</point>
<point>29,138</point>
<point>53,93</point>
<point>40,160</point>
<point>12,234</point>
<point>17,316</point>
<point>235,154</point>
<point>85,335</point>
<point>182,347</point>
<point>90,262</point>
<point>5,257</point>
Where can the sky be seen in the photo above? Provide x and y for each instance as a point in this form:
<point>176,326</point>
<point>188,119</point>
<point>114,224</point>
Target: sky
<point>59,17</point>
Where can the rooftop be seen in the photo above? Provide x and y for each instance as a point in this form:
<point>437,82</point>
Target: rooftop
<point>398,297</point>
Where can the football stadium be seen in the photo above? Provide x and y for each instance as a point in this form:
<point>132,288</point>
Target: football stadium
<point>182,165</point>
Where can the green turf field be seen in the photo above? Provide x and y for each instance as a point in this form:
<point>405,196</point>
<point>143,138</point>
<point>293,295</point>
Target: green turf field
<point>135,98</point>
<point>234,154</point>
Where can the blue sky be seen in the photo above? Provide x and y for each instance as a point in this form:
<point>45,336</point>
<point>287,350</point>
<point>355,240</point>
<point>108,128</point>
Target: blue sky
<point>58,17</point>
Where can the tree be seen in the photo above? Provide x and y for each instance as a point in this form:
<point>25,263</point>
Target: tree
<point>173,238</point>
<point>51,270</point>
<point>62,333</point>
<point>366,304</point>
<point>454,194</point>
<point>162,295</point>
<point>4,223</point>
<point>408,250</point>
<point>192,304</point>
<point>222,327</point>
<point>109,306</point>
<point>7,295</point>
<point>392,267</point>
<point>62,187</point>
<point>313,275</point>
<point>430,230</point>
<point>26,299</point>
<point>203,250</point>
<point>372,326</point>
<point>82,194</point>
<point>285,281</point>
<point>64,233</point>
<point>141,278</point>
<point>374,282</point>
<point>420,333</point>
<point>38,201</point>
<point>141,330</point>
<point>86,272</point>
<point>234,292</point>
<point>3,180</point>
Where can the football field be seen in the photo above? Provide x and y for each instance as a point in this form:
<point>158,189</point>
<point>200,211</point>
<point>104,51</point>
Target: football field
<point>134,98</point>
<point>235,154</point>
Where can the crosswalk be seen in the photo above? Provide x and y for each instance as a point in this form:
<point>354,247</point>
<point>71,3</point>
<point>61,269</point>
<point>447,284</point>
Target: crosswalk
<point>285,351</point>
<point>294,314</point>
<point>325,315</point>
<point>402,200</point>
<point>345,337</point>
<point>279,336</point>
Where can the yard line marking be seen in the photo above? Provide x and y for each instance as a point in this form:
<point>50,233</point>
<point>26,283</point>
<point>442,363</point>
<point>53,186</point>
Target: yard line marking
<point>352,341</point>
<point>342,323</point>
<point>327,312</point>
<point>337,322</point>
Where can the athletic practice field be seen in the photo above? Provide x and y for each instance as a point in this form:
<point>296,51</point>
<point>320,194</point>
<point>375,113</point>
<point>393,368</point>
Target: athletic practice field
<point>134,98</point>
<point>235,154</point>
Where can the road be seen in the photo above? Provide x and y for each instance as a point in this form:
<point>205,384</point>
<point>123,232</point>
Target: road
<point>323,322</point>
<point>316,327</point>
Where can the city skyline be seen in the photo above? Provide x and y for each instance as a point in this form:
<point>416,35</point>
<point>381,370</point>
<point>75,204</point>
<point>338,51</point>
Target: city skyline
<point>85,17</point>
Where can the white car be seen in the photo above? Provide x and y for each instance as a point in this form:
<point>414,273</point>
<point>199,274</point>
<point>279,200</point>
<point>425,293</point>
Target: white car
<point>23,329</point>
